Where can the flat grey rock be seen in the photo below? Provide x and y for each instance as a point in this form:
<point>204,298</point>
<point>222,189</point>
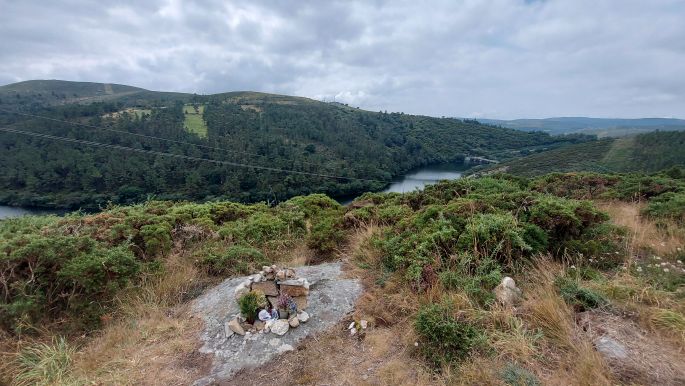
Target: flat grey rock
<point>330,299</point>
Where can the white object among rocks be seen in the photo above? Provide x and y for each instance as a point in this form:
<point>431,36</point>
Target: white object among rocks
<point>280,327</point>
<point>507,293</point>
<point>363,323</point>
<point>303,316</point>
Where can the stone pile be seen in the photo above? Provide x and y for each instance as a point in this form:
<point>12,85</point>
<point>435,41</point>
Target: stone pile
<point>273,282</point>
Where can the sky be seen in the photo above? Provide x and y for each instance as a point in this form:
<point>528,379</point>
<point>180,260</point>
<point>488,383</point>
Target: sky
<point>465,58</point>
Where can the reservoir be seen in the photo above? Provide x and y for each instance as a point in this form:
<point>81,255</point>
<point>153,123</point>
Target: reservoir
<point>14,211</point>
<point>420,177</point>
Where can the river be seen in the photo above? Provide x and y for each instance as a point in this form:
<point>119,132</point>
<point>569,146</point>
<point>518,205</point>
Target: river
<point>14,211</point>
<point>420,177</point>
<point>414,179</point>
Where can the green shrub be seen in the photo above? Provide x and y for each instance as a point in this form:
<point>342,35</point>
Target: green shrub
<point>237,259</point>
<point>515,375</point>
<point>602,246</point>
<point>326,235</point>
<point>577,296</point>
<point>498,236</point>
<point>250,303</point>
<point>156,238</point>
<point>444,338</point>
<point>52,275</point>
<point>475,276</point>
<point>667,206</point>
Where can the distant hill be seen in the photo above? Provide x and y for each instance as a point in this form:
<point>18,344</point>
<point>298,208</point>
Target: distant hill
<point>364,149</point>
<point>602,127</point>
<point>649,152</point>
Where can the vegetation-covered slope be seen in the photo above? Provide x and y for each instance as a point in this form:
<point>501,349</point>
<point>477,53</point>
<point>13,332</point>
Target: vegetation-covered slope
<point>641,153</point>
<point>602,127</point>
<point>242,127</point>
<point>430,261</point>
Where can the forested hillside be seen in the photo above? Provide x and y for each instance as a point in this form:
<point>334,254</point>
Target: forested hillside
<point>649,152</point>
<point>261,130</point>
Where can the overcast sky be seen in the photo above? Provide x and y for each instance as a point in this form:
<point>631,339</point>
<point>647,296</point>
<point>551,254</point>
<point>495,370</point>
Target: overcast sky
<point>489,58</point>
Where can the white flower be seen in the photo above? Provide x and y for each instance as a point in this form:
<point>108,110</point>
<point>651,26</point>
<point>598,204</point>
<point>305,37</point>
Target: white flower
<point>680,262</point>
<point>666,269</point>
<point>639,269</point>
<point>573,267</point>
<point>657,257</point>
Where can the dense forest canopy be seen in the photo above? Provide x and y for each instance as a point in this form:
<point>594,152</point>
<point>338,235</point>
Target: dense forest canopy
<point>259,129</point>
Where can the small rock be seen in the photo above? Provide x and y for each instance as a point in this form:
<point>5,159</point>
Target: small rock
<point>289,272</point>
<point>284,348</point>
<point>303,316</point>
<point>240,290</point>
<point>351,326</point>
<point>235,326</point>
<point>267,269</point>
<point>259,325</point>
<point>280,327</point>
<point>363,323</point>
<point>353,331</point>
<point>611,348</point>
<point>507,293</point>
<point>294,322</point>
<point>280,275</point>
<point>227,331</point>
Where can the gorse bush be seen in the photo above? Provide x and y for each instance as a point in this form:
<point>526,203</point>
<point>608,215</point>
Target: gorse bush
<point>667,206</point>
<point>493,218</point>
<point>72,268</point>
<point>444,338</point>
<point>236,259</point>
<point>326,235</point>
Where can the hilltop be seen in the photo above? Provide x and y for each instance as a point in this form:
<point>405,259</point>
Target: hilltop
<point>648,152</point>
<point>363,149</point>
<point>602,127</point>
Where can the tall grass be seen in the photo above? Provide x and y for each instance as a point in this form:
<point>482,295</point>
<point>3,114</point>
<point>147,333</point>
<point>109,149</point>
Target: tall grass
<point>45,364</point>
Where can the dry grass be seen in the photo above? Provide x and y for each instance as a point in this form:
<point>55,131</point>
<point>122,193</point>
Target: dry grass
<point>570,357</point>
<point>644,234</point>
<point>153,341</point>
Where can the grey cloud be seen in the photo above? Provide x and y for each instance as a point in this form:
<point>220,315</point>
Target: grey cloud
<point>496,58</point>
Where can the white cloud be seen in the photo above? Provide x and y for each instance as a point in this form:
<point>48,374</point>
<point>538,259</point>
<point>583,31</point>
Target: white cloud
<point>496,58</point>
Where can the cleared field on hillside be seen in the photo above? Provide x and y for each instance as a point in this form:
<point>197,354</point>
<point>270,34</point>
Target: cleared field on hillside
<point>194,122</point>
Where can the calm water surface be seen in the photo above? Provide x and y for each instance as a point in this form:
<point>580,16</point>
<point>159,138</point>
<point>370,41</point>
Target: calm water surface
<point>13,211</point>
<point>419,178</point>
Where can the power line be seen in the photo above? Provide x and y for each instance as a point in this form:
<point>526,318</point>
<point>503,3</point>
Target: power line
<point>229,163</point>
<point>145,136</point>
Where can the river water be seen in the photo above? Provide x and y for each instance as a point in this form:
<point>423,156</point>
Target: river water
<point>13,211</point>
<point>419,178</point>
<point>413,180</point>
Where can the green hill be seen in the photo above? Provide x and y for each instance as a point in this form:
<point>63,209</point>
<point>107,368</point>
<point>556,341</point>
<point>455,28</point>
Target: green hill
<point>257,129</point>
<point>602,127</point>
<point>649,152</point>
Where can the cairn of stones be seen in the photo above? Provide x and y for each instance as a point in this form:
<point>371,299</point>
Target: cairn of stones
<point>273,282</point>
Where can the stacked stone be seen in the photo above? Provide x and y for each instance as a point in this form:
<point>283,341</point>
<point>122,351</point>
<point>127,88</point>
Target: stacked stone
<point>273,282</point>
